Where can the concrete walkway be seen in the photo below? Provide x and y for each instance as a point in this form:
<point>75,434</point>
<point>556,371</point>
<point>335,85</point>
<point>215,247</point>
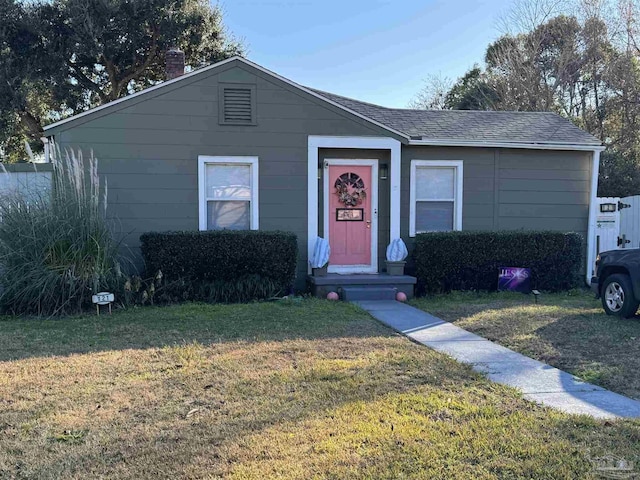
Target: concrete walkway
<point>538,381</point>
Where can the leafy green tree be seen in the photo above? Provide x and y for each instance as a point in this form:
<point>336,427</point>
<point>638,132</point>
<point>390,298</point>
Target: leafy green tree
<point>25,73</point>
<point>619,174</point>
<point>585,67</point>
<point>537,70</point>
<point>71,55</point>
<point>115,47</point>
<point>472,91</point>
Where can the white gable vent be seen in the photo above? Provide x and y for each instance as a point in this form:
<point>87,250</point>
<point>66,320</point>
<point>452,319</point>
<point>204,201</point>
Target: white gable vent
<point>238,104</point>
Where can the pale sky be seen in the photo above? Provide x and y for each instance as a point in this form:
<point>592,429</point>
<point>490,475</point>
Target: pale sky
<point>378,51</point>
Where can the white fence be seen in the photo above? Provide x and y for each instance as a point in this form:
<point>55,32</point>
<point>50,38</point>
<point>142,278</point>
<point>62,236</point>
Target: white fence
<point>617,223</point>
<point>26,179</point>
<point>607,224</point>
<point>630,222</point>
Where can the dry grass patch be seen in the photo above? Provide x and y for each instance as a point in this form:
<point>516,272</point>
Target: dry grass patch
<point>288,390</point>
<point>568,331</point>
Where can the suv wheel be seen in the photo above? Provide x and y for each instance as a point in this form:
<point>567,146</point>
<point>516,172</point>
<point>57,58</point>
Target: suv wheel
<point>617,296</point>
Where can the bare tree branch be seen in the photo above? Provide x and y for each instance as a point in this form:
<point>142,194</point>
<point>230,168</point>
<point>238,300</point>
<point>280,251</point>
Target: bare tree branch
<point>433,94</point>
<point>527,15</point>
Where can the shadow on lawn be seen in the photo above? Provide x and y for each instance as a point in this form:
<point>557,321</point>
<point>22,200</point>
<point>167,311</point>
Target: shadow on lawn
<point>568,332</point>
<point>294,384</point>
<point>600,349</point>
<point>153,327</point>
<point>214,439</point>
<point>272,429</point>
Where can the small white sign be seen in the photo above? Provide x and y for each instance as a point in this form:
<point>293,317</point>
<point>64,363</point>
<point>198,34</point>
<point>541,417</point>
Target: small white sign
<point>103,298</point>
<point>606,223</point>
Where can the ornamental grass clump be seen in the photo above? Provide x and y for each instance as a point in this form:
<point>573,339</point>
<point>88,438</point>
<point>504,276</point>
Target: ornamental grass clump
<point>56,247</point>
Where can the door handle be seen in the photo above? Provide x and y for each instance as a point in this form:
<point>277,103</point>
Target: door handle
<point>368,223</point>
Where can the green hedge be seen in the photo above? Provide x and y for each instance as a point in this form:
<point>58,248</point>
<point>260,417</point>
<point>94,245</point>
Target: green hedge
<point>470,260</point>
<point>222,258</point>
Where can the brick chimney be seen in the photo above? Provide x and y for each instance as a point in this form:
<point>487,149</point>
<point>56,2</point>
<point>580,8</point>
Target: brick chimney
<point>174,63</point>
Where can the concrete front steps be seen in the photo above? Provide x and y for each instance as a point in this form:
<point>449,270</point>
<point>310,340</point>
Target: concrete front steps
<point>357,287</point>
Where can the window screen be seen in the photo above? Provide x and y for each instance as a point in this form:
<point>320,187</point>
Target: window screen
<point>228,196</point>
<point>435,198</point>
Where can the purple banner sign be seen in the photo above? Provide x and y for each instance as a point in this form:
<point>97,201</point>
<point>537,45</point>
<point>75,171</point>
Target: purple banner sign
<point>514,279</point>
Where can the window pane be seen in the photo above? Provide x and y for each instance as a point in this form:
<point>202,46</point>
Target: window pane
<point>434,216</point>
<point>434,182</point>
<point>228,181</point>
<point>231,215</point>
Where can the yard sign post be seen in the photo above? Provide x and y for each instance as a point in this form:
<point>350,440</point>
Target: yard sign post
<point>103,298</point>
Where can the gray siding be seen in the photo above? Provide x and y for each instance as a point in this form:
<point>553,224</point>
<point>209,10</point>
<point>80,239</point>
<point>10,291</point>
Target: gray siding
<point>543,190</point>
<point>148,150</point>
<point>509,189</point>
<point>478,184</point>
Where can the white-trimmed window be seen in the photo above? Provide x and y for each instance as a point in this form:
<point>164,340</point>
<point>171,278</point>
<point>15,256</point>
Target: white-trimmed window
<point>228,193</point>
<point>436,196</point>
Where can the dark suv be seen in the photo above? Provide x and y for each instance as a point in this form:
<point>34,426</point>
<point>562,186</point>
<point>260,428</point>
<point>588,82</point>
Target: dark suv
<point>617,281</point>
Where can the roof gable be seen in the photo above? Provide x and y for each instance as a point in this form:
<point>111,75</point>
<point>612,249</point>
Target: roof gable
<point>477,128</point>
<point>196,75</point>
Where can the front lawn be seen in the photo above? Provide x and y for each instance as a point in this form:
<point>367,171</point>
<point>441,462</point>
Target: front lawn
<point>568,331</point>
<point>306,389</point>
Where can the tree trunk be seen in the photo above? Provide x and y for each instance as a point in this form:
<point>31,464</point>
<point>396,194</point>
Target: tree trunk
<point>31,124</point>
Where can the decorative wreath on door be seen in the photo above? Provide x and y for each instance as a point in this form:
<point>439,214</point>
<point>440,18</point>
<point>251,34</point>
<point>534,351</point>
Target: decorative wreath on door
<point>350,189</point>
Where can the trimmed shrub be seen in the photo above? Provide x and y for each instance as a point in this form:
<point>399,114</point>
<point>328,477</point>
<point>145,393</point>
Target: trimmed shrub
<point>240,290</point>
<point>470,260</point>
<point>226,265</point>
<point>56,247</point>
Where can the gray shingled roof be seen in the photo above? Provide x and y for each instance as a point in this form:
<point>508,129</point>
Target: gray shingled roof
<point>472,125</point>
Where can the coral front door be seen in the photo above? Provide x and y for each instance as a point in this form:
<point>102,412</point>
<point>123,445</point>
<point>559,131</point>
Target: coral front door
<point>350,215</point>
